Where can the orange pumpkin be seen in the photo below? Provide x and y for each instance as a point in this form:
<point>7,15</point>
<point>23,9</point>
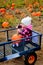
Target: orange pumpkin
<point>5,24</point>
<point>2,10</point>
<point>36,4</point>
<point>13,4</point>
<point>16,37</point>
<point>30,5</point>
<point>41,7</point>
<point>12,8</point>
<point>38,13</point>
<point>33,13</point>
<point>30,10</point>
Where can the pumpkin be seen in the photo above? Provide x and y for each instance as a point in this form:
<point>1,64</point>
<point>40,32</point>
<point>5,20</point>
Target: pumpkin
<point>30,5</point>
<point>5,24</point>
<point>30,10</point>
<point>41,8</point>
<point>38,13</point>
<point>33,13</point>
<point>13,4</point>
<point>16,37</point>
<point>2,10</point>
<point>12,8</point>
<point>36,4</point>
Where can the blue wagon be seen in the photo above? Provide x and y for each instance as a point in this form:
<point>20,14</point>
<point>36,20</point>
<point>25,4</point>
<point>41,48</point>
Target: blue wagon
<point>25,49</point>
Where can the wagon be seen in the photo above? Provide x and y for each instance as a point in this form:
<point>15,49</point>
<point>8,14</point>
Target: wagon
<point>25,49</point>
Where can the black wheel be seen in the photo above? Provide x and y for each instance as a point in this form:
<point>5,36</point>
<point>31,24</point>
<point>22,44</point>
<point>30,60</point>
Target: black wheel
<point>30,59</point>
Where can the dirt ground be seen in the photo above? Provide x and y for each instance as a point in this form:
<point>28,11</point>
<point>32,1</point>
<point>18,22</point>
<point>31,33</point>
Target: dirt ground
<point>37,26</point>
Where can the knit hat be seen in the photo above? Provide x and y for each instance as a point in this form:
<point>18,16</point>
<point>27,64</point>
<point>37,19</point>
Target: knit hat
<point>26,21</point>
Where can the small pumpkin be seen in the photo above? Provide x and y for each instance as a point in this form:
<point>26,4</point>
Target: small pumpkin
<point>33,14</point>
<point>5,24</point>
<point>30,10</point>
<point>41,8</point>
<point>13,4</point>
<point>30,5</point>
<point>12,8</point>
<point>38,13</point>
<point>2,10</point>
<point>36,4</point>
<point>16,37</point>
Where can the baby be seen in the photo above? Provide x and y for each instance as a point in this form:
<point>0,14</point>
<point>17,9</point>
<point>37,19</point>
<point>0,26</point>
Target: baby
<point>25,27</point>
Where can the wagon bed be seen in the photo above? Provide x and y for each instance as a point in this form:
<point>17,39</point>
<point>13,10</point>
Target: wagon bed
<point>33,45</point>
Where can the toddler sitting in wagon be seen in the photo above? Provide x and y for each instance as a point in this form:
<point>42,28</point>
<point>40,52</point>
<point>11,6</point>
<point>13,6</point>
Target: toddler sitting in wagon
<point>24,28</point>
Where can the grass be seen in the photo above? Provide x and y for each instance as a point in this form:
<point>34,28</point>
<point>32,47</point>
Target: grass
<point>19,3</point>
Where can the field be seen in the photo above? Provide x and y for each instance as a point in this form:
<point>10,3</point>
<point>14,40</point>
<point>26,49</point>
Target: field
<point>37,26</point>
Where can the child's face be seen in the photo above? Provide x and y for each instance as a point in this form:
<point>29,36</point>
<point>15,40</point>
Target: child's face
<point>23,26</point>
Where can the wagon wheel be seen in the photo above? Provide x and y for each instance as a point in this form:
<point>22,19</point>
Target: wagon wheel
<point>30,59</point>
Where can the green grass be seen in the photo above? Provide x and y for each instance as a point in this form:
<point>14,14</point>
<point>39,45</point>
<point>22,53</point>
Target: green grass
<point>13,22</point>
<point>19,3</point>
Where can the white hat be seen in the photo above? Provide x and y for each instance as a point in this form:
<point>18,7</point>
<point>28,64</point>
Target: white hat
<point>26,21</point>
